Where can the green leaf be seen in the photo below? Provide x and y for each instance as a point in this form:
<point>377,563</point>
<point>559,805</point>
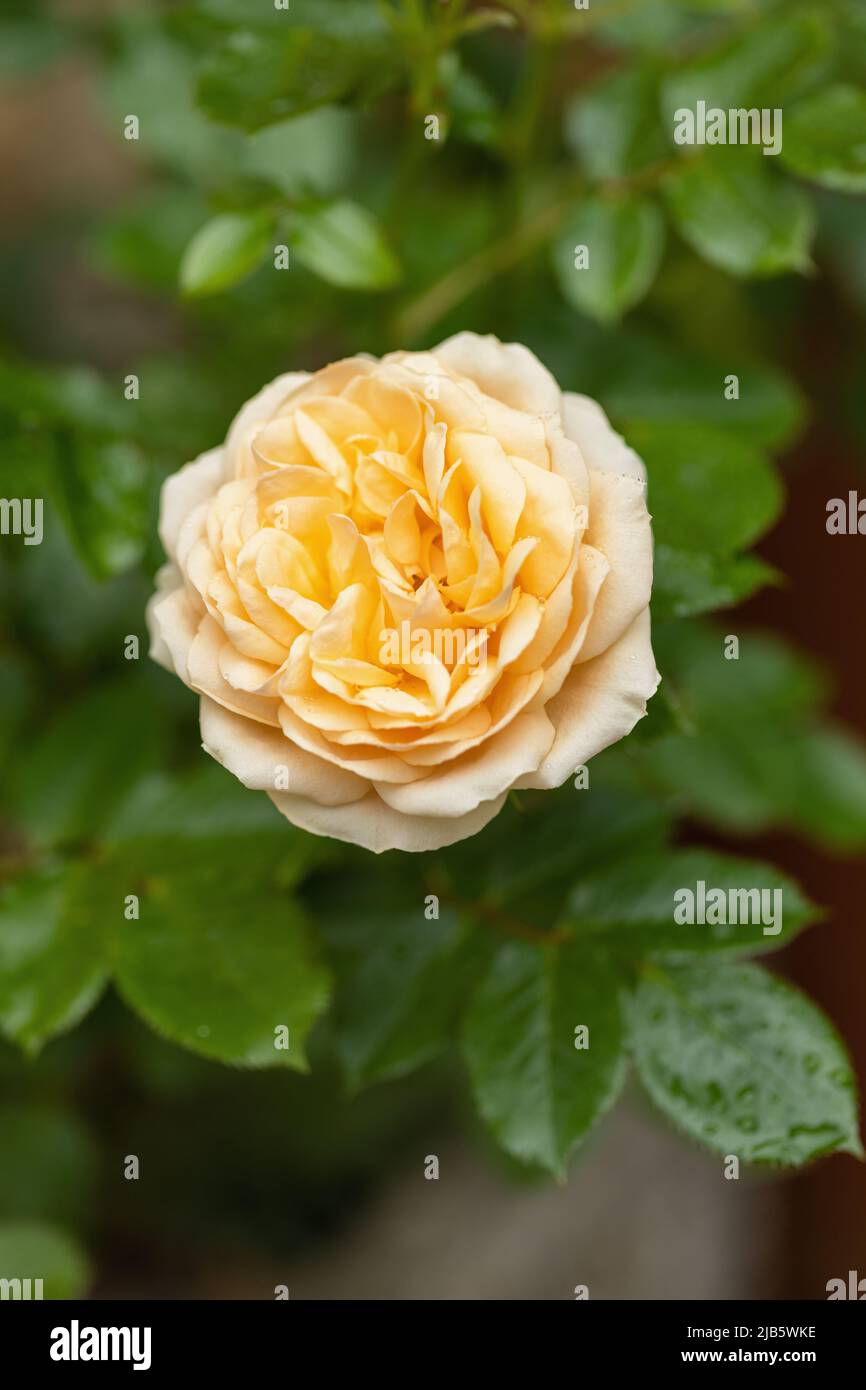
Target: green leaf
<point>219,959</point>
<point>652,381</point>
<point>654,25</point>
<point>101,610</point>
<point>400,982</point>
<point>47,398</point>
<point>52,967</point>
<point>321,54</point>
<point>687,583</point>
<point>345,245</point>
<point>759,65</point>
<point>310,154</point>
<point>225,251</point>
<point>523,864</point>
<point>536,1090</point>
<point>70,777</point>
<point>48,1164</point>
<point>31,1250</point>
<point>825,138</point>
<point>852,37</point>
<point>625,239</point>
<point>760,757</point>
<point>614,128</point>
<point>743,1063</point>
<point>202,804</point>
<point>105,491</point>
<point>472,113</point>
<point>768,677</point>
<point>709,491</point>
<point>219,956</point>
<point>632,907</point>
<point>738,216</point>
<point>832,809</point>
<point>759,774</point>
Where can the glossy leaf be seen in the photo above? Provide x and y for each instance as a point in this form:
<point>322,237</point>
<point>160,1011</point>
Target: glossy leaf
<point>293,61</point>
<point>825,138</point>
<point>760,65</point>
<point>52,954</point>
<point>539,1093</point>
<point>623,240</point>
<point>344,244</point>
<point>217,961</point>
<point>105,491</point>
<point>417,969</point>
<point>832,767</point>
<point>614,128</point>
<point>225,251</point>
<point>743,1063</point>
<point>74,771</point>
<point>652,381</point>
<point>741,217</point>
<point>758,755</point>
<point>688,582</point>
<point>309,154</point>
<point>709,491</point>
<point>633,907</point>
<point>562,834</point>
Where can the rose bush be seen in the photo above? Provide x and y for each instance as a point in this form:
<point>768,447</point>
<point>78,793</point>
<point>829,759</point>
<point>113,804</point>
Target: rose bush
<point>456,490</point>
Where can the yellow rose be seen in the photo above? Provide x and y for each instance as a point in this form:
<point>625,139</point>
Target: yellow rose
<point>404,587</point>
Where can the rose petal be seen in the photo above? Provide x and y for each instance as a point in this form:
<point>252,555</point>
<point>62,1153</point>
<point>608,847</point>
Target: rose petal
<point>586,423</point>
<point>507,371</point>
<point>600,702</point>
<point>259,757</point>
<point>377,827</point>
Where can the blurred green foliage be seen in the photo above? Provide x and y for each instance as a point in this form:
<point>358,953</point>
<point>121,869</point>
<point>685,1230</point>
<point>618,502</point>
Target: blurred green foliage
<point>309,127</point>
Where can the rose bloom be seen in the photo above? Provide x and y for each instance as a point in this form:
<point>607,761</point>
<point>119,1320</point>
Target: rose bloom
<point>444,490</point>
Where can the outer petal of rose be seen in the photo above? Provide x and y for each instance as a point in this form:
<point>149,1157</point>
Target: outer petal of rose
<point>482,775</point>
<point>173,616</point>
<point>254,753</point>
<point>205,676</point>
<point>262,407</point>
<point>585,422</point>
<point>507,371</point>
<point>185,490</point>
<point>375,826</point>
<point>619,526</point>
<point>599,703</point>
